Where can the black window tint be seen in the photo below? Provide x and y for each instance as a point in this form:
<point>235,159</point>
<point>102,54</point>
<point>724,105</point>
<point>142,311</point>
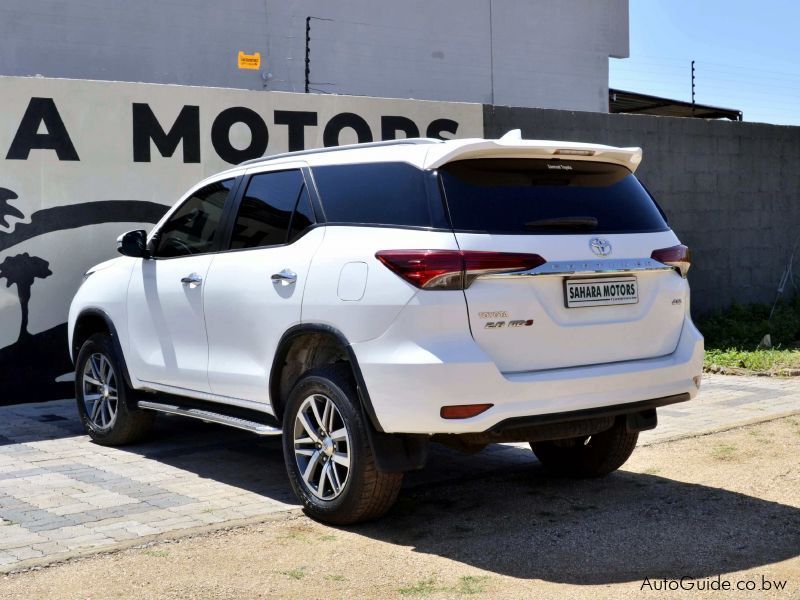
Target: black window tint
<point>547,197</point>
<point>265,214</point>
<point>192,228</point>
<point>380,193</point>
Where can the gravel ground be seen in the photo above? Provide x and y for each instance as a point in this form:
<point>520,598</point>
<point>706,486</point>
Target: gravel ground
<point>723,505</point>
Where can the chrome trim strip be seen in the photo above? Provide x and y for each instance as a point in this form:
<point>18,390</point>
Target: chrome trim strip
<point>212,417</point>
<point>586,267</point>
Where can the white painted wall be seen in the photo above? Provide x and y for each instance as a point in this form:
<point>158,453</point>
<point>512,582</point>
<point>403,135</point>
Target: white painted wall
<point>540,53</point>
<point>62,210</point>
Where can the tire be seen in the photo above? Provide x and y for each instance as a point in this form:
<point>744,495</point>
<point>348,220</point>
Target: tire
<point>107,417</point>
<point>343,495</point>
<point>588,456</point>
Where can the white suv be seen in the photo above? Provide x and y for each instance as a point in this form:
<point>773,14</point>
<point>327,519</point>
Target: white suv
<point>362,301</point>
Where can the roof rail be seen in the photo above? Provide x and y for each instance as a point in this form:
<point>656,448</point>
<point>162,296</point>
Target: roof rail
<point>401,142</point>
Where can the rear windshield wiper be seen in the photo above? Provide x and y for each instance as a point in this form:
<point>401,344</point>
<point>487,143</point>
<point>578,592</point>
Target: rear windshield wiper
<point>582,223</point>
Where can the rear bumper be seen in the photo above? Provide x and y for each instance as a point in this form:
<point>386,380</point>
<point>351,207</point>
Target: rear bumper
<point>409,382</point>
<point>587,413</point>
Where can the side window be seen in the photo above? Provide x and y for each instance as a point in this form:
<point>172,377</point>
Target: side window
<point>380,193</point>
<point>275,209</point>
<point>193,227</point>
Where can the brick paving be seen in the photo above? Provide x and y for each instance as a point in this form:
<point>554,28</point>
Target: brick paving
<point>60,494</point>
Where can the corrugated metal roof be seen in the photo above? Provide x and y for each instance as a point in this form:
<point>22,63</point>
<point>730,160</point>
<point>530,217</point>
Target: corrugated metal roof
<point>621,101</point>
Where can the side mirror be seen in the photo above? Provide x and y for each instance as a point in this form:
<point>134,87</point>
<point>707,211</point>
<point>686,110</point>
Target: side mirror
<point>133,243</point>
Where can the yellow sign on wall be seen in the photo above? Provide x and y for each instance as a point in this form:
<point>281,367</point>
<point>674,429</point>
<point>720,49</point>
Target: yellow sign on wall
<point>249,61</point>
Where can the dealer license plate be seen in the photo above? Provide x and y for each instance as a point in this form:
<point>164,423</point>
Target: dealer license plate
<point>602,291</point>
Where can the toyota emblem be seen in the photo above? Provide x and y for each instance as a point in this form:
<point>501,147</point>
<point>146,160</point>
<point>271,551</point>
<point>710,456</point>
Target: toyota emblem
<point>600,246</point>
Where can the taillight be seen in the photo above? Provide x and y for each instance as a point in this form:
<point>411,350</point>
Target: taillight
<point>678,257</point>
<point>453,269</point>
<point>438,269</point>
<point>484,263</point>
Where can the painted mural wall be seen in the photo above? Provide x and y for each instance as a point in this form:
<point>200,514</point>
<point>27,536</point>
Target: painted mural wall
<point>84,161</point>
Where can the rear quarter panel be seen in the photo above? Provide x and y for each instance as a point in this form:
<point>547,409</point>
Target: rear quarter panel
<point>329,297</point>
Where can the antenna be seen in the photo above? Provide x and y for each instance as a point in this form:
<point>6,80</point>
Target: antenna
<point>692,86</point>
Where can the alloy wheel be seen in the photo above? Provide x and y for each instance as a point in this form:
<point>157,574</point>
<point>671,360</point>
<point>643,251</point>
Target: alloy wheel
<point>322,447</point>
<point>100,396</point>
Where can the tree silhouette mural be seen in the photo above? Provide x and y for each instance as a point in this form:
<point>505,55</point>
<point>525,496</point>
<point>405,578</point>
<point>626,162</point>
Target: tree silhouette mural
<point>31,367</point>
<point>22,270</point>
<point>6,210</point>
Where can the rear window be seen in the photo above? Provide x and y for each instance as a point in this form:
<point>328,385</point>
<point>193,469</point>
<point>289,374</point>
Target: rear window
<point>521,196</point>
<point>373,193</point>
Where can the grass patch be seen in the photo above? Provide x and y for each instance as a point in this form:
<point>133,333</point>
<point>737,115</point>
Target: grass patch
<point>296,574</point>
<point>335,578</point>
<point>760,361</point>
<point>296,535</point>
<point>732,338</point>
<point>467,585</point>
<point>724,452</point>
<point>156,553</point>
<point>424,587</point>
<point>472,584</point>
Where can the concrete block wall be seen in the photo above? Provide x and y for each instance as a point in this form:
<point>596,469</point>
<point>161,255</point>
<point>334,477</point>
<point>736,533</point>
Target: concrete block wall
<point>731,190</point>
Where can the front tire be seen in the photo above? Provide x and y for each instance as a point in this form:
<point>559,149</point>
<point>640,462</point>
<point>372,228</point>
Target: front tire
<point>103,396</point>
<point>327,453</point>
<point>588,456</point>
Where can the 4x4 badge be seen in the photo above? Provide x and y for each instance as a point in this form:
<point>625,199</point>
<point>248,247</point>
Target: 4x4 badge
<point>600,246</point>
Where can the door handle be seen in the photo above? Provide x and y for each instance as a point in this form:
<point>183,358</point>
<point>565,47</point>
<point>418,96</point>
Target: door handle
<point>192,279</point>
<point>285,277</point>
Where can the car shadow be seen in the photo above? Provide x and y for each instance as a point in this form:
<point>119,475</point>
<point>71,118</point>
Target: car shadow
<point>256,464</point>
<point>622,528</point>
<point>498,510</point>
<point>222,454</point>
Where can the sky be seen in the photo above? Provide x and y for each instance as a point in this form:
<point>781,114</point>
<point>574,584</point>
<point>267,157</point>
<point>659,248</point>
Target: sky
<point>746,53</point>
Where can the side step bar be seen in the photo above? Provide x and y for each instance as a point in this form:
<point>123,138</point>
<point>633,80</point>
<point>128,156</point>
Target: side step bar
<point>211,417</point>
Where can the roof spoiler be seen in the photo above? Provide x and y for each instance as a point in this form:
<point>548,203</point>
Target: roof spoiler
<point>511,145</point>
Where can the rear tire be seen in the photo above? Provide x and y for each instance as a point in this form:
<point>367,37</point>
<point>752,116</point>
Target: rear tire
<point>103,396</point>
<point>588,456</point>
<point>327,452</point>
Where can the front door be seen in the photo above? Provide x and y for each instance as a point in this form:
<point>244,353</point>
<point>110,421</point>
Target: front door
<point>166,324</point>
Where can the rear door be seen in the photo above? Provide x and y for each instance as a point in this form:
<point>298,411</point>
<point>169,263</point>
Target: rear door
<point>254,289</point>
<point>599,298</point>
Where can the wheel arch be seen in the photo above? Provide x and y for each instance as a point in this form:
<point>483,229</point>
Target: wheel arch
<point>310,345</point>
<point>91,321</point>
<point>394,452</point>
